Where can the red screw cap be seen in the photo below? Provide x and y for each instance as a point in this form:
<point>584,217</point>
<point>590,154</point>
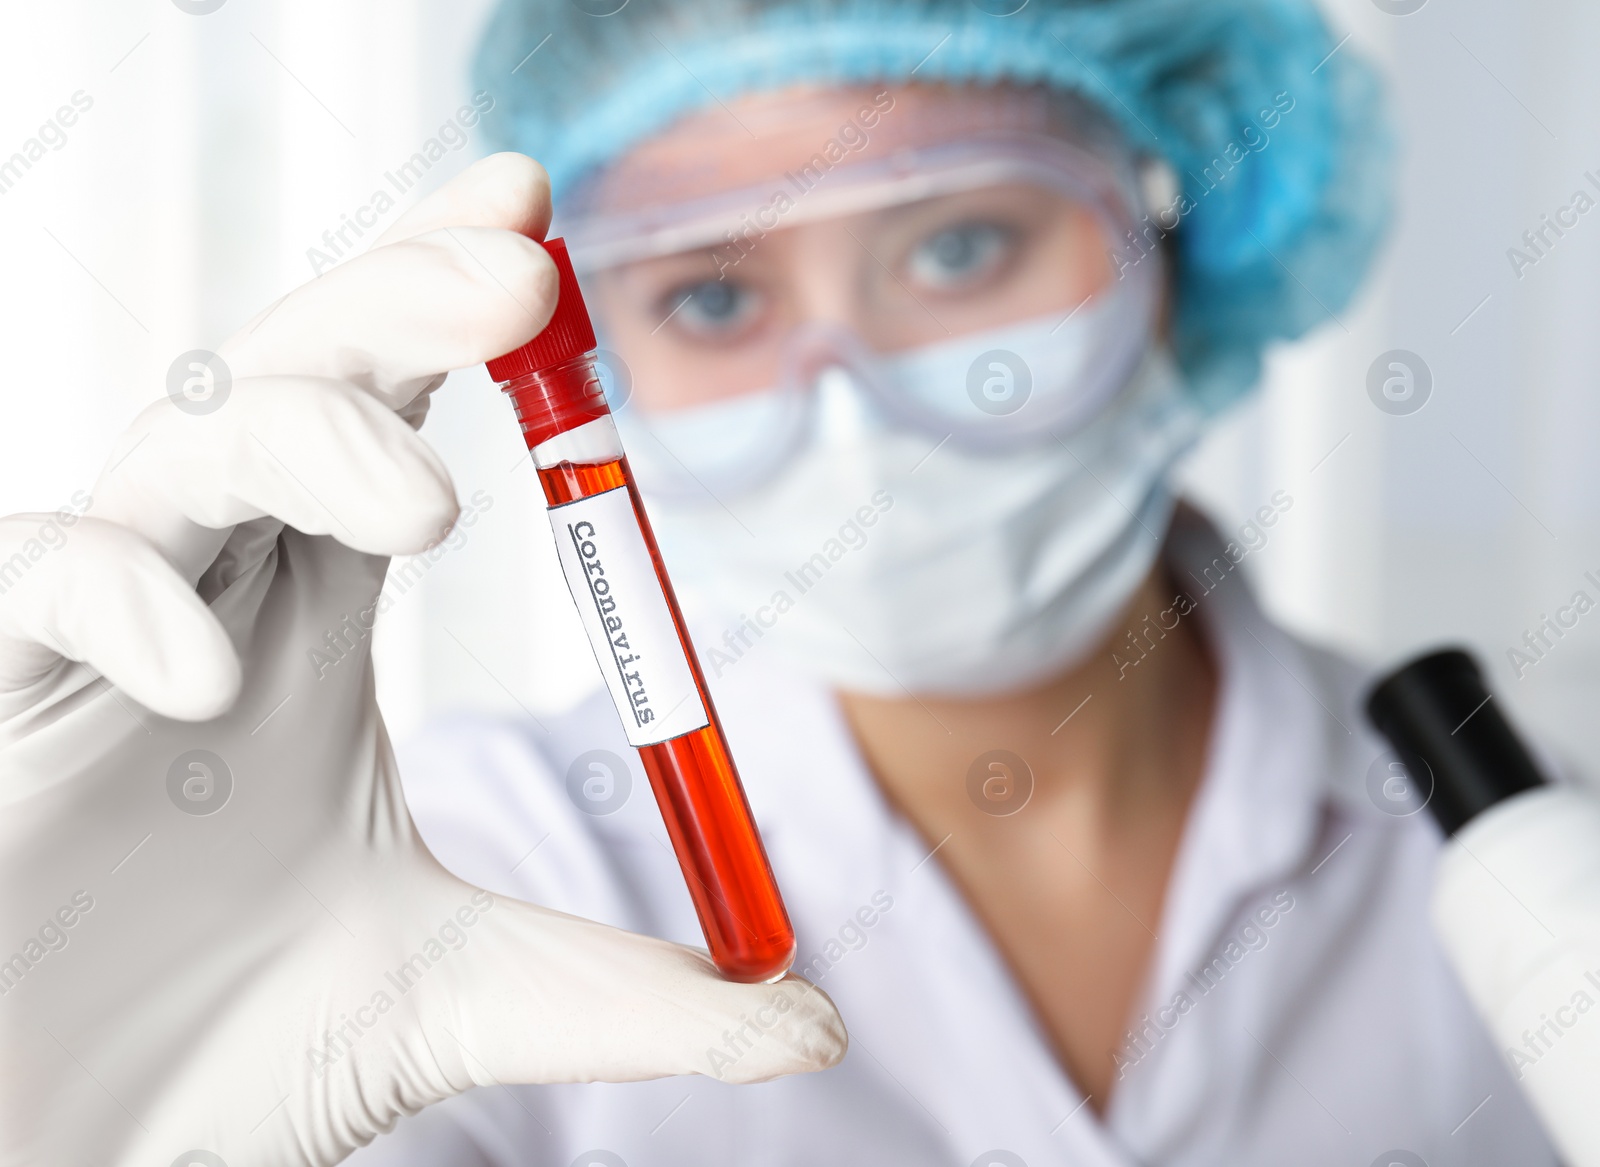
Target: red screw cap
<point>569,334</point>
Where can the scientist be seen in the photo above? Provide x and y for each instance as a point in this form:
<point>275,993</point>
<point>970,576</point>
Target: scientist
<point>910,308</point>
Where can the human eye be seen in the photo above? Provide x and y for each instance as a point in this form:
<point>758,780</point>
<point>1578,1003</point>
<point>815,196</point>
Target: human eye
<point>712,309</point>
<point>960,256</point>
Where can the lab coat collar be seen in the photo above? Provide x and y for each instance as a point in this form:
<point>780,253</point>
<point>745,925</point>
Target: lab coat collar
<point>1254,823</point>
<point>1263,797</point>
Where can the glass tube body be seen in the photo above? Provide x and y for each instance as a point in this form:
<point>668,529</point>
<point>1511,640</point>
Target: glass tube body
<point>696,785</point>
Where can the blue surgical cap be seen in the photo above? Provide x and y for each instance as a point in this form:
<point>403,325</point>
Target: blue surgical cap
<point>1273,128</point>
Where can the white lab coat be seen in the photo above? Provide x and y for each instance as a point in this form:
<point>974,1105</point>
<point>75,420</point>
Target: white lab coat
<point>1299,1010</point>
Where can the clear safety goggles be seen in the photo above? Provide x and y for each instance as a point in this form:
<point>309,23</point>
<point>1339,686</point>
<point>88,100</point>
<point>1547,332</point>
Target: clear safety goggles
<point>971,290</point>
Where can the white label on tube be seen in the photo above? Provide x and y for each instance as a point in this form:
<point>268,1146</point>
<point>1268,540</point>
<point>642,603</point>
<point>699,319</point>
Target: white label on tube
<point>613,582</point>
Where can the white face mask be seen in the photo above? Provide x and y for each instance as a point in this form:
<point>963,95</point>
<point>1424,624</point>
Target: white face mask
<point>882,563</point>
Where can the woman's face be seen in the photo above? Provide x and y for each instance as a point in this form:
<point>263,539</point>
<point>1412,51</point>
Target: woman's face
<point>711,322</point>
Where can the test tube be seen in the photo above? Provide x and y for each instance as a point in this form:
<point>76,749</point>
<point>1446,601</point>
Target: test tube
<point>619,584</point>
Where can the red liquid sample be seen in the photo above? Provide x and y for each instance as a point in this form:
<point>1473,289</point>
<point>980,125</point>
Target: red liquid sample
<point>708,819</point>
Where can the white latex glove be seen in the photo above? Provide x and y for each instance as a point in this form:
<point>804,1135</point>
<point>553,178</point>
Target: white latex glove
<point>247,956</point>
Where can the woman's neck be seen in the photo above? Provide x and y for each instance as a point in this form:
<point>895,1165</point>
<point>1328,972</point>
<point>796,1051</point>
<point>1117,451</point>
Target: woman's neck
<point>1124,728</point>
<point>1058,812</point>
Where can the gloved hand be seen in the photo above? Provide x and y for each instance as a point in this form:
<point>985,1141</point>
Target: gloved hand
<point>221,939</point>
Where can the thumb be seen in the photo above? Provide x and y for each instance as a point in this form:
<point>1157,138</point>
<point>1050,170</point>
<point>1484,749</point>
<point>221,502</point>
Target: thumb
<point>553,998</point>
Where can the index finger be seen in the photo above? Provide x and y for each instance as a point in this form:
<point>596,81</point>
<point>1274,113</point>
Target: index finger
<point>393,319</point>
<point>510,191</point>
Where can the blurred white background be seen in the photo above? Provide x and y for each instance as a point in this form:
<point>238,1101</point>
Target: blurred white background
<point>219,148</point>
